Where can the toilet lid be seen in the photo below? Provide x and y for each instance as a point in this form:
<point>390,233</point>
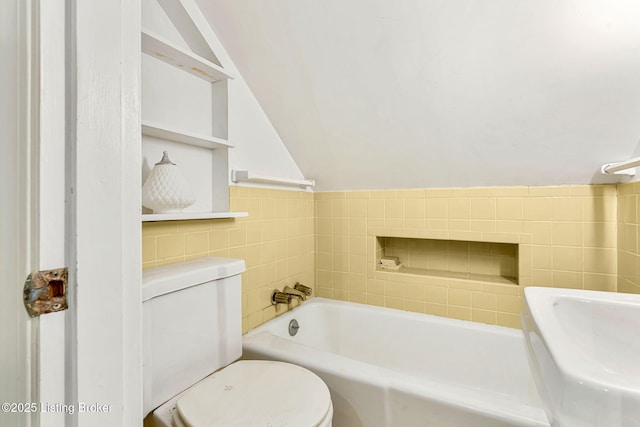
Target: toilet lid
<point>256,393</point>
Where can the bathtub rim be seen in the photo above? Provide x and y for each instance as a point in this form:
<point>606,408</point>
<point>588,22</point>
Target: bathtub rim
<point>294,352</point>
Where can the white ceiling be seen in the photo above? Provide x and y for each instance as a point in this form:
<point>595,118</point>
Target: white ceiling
<point>378,94</point>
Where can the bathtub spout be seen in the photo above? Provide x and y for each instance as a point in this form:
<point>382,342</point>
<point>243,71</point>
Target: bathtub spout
<point>302,288</point>
<point>294,293</point>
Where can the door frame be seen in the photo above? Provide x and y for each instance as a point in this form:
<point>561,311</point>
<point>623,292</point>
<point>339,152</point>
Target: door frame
<point>73,199</point>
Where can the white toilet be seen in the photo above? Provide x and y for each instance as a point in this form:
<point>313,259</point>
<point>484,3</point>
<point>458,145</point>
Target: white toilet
<point>192,328</point>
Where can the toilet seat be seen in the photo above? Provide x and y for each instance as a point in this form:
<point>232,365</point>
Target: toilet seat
<point>256,393</point>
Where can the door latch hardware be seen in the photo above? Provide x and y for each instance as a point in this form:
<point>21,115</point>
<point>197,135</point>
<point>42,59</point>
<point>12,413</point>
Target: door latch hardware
<point>46,292</point>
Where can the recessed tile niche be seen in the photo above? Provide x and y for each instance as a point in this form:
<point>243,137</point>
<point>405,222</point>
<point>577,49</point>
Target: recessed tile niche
<point>481,261</point>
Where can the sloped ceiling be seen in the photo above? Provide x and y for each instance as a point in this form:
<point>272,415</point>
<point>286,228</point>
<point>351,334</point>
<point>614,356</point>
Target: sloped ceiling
<point>378,94</point>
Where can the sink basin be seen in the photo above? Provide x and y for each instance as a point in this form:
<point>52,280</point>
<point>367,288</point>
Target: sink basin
<point>584,353</point>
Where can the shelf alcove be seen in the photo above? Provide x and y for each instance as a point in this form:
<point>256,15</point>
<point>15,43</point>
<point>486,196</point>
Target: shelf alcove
<point>478,261</point>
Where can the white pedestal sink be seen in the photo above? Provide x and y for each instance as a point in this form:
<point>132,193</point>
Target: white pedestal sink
<point>584,353</point>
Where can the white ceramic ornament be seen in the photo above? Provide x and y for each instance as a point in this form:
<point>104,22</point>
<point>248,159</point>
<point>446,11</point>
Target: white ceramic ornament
<point>166,190</point>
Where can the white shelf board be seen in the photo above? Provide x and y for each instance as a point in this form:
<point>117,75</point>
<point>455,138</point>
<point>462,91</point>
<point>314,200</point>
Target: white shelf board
<point>183,137</point>
<point>241,175</point>
<point>183,216</point>
<point>169,52</point>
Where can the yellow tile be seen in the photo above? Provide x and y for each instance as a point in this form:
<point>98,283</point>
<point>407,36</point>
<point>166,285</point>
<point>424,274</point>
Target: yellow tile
<point>253,255</point>
<point>439,193</point>
<point>458,208</point>
<point>567,234</point>
<point>358,297</point>
<point>415,208</point>
<point>358,208</point>
<point>436,209</point>
<point>509,320</point>
<point>341,226</point>
<point>542,257</point>
<point>238,235</point>
<point>357,227</point>
<point>357,282</point>
<point>474,192</point>
<point>415,306</point>
<point>538,208</point>
<point>436,309</point>
<point>542,278</point>
<point>484,301</point>
<point>325,292</point>
<point>324,226</point>
<point>375,208</point>
<point>509,209</point>
<point>459,297</point>
<point>483,209</point>
<point>462,313</point>
<point>393,302</point>
<point>600,282</point>
<point>238,252</point>
<point>499,289</point>
<point>510,191</point>
<point>159,228</point>
<point>375,287</point>
<point>483,226</point>
<point>600,209</point>
<point>170,246</point>
<point>567,258</point>
<point>377,300</point>
<point>510,304</point>
<point>218,239</point>
<point>567,279</point>
<point>459,224</point>
<point>505,226</point>
<point>436,295</point>
<point>410,194</point>
<point>340,208</point>
<point>598,260</point>
<point>324,208</point>
<point>357,264</point>
<point>541,232</point>
<point>484,316</point>
<point>193,226</point>
<point>148,249</point>
<point>357,195</point>
<point>567,209</point>
<point>415,292</point>
<point>394,208</point>
<point>196,243</point>
<point>599,234</point>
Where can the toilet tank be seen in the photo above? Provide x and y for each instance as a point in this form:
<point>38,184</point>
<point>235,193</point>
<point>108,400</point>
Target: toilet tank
<point>192,324</point>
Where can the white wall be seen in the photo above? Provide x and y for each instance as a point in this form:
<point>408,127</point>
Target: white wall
<point>258,147</point>
<point>428,93</point>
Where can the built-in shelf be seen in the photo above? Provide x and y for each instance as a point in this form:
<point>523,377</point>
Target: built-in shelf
<point>183,137</point>
<point>487,262</point>
<point>238,175</point>
<point>485,278</point>
<point>191,215</point>
<point>169,52</point>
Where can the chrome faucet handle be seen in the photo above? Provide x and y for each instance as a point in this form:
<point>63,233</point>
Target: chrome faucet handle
<point>278,297</point>
<point>302,288</point>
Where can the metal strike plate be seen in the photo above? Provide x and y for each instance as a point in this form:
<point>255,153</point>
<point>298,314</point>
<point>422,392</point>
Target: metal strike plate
<point>46,292</point>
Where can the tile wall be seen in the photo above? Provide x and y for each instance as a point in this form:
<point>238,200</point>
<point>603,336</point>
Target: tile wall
<point>628,249</point>
<point>566,237</point>
<point>276,240</point>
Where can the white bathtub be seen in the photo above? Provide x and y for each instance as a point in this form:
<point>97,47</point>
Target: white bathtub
<point>390,368</point>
